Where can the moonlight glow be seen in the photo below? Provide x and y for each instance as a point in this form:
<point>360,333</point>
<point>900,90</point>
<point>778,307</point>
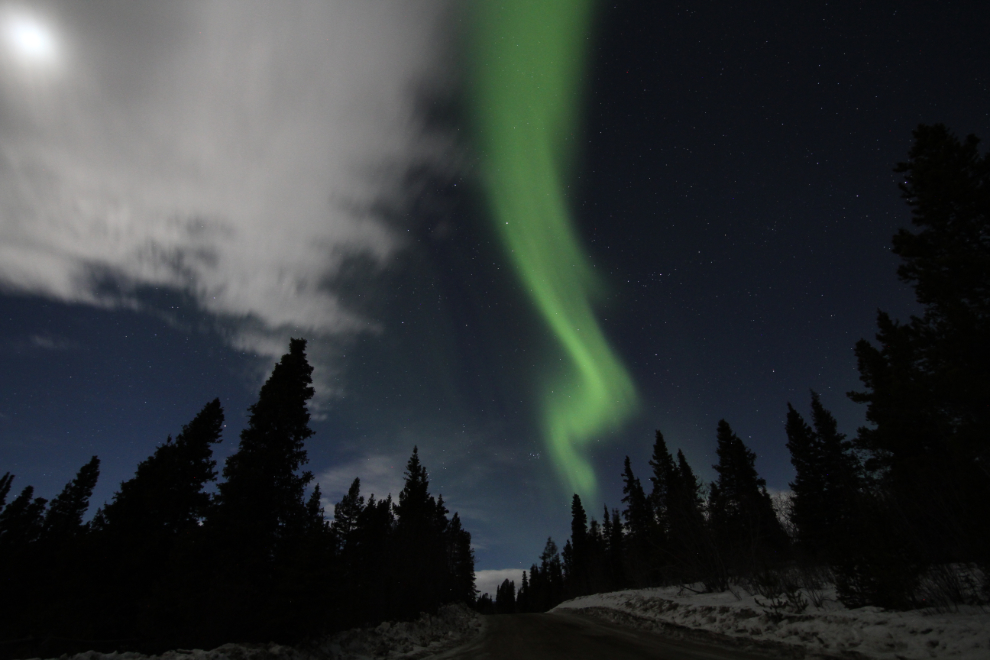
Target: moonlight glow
<point>30,39</point>
<point>527,65</point>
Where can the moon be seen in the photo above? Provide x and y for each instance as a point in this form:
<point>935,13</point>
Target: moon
<point>30,39</point>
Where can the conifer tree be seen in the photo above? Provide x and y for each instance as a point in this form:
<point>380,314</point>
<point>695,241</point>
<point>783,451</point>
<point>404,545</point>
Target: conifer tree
<point>664,484</point>
<point>746,529</point>
<point>55,577</point>
<point>21,568</point>
<point>925,386</point>
<point>5,482</point>
<point>316,516</point>
<point>522,598</point>
<point>420,524</point>
<point>552,571</point>
<point>536,596</point>
<point>485,604</point>
<point>260,515</point>
<point>505,597</point>
<point>140,531</point>
<point>576,560</point>
<point>346,514</point>
<point>615,548</point>
<point>22,521</point>
<point>826,482</point>
<point>460,567</point>
<point>690,486</point>
<point>167,495</point>
<point>304,584</point>
<point>65,513</point>
<point>261,499</point>
<point>368,567</point>
<point>667,554</point>
<point>638,516</point>
<point>689,543</point>
<point>809,504</point>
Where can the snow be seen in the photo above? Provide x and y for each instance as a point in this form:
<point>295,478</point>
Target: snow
<point>451,627</point>
<point>832,630</point>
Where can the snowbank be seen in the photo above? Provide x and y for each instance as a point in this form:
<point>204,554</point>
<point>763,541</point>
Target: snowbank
<point>867,632</point>
<point>452,626</point>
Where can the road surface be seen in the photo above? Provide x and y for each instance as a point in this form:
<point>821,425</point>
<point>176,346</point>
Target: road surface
<point>579,637</point>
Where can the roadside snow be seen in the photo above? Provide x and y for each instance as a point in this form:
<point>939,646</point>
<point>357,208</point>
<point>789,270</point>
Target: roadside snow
<point>452,626</point>
<point>867,632</point>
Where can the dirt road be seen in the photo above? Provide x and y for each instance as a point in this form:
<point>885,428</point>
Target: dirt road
<point>578,637</point>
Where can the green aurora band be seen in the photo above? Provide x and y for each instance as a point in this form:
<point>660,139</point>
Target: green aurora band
<point>527,57</point>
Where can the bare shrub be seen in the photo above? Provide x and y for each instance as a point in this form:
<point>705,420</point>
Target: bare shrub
<point>781,591</point>
<point>944,587</point>
<point>815,580</point>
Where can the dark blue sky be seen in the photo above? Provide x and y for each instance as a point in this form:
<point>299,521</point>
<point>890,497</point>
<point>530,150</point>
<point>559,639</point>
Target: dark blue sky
<point>735,192</point>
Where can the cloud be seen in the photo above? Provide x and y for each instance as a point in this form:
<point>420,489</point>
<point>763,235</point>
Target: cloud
<point>51,343</point>
<point>231,150</point>
<point>380,476</point>
<point>488,581</point>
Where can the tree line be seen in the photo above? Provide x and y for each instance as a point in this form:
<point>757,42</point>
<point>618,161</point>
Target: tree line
<point>168,564</point>
<point>908,497</point>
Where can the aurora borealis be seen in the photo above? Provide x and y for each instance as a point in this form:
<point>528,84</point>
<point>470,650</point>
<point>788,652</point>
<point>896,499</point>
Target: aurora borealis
<point>526,87</point>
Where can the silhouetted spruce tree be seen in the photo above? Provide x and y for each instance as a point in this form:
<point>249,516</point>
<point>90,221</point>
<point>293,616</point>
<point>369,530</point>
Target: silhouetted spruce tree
<point>522,598</point>
<point>663,483</point>
<point>809,503</point>
<point>367,566</point>
<point>420,525</point>
<point>64,518</point>
<point>597,562</point>
<point>5,482</point>
<point>926,388</point>
<point>690,542</point>
<point>304,580</point>
<point>747,533</point>
<point>505,597</point>
<point>638,516</point>
<point>460,564</point>
<point>260,515</point>
<point>21,521</point>
<point>167,496</point>
<point>615,548</point>
<point>346,514</point>
<point>576,552</point>
<point>63,586</point>
<point>148,578</point>
<point>668,502</point>
<point>947,261</point>
<point>551,572</point>
<point>925,385</point>
<point>485,605</point>
<point>826,483</point>
<point>536,596</point>
<point>21,569</point>
<point>535,590</point>
<point>398,561</point>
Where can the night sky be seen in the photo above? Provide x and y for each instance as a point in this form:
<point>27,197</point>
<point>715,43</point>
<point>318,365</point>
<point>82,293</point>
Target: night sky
<point>184,186</point>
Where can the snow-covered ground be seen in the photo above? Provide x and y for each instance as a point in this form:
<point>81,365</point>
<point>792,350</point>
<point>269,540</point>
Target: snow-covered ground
<point>452,626</point>
<point>832,630</point>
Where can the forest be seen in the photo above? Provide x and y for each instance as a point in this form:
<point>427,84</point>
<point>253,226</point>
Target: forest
<point>898,516</point>
<point>169,564</point>
<point>180,558</point>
